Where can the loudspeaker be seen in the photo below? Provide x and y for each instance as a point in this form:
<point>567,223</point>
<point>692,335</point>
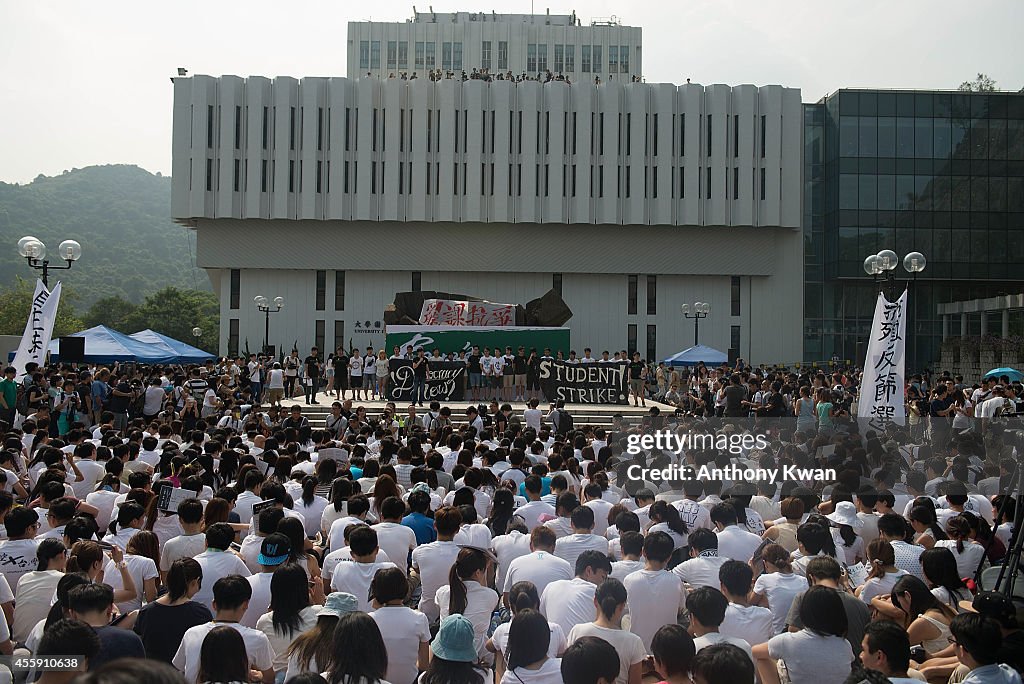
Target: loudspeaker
<point>72,349</point>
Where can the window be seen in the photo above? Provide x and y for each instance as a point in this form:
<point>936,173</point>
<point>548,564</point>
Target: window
<point>654,181</point>
<point>318,334</point>
<point>585,59</point>
<point>348,126</point>
<point>291,129</point>
<point>417,279</point>
<point>320,128</point>
<point>624,59</point>
<point>652,295</point>
<point>682,135</point>
<point>736,135</point>
<point>209,126</point>
<point>418,58</point>
<point>734,295</point>
<point>709,183</point>
<point>238,127</point>
<point>339,334</point>
<point>709,135</point>
<point>263,176</point>
<point>654,137</point>
<point>321,290</point>
<point>682,185</point>
<point>559,58</point>
<point>457,57</point>
<point>392,54</point>
<point>734,339</point>
<point>556,283</point>
<point>485,54</point>
<point>375,54</point>
<point>403,55</point>
<point>209,175</point>
<point>764,127</point>
<point>763,185</point>
<point>542,57</point>
<point>502,55</point>
<point>613,59</point>
<point>600,181</point>
<point>531,58</point>
<point>736,182</point>
<point>237,170</point>
<point>364,54</point>
<point>631,295</point>
<point>652,342</point>
<point>233,337</point>
<point>570,58</point>
<point>601,132</point>
<point>431,56</point>
<point>573,180</point>
<point>631,338</point>
<point>446,55</point>
<point>266,117</point>
<point>373,177</point>
<point>236,279</point>
<point>339,290</point>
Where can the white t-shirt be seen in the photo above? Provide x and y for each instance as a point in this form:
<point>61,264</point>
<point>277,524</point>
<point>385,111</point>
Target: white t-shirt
<point>259,603</point>
<point>243,505</point>
<point>104,502</point>
<point>35,591</point>
<point>507,548</point>
<point>569,548</point>
<point>311,514</point>
<point>966,562</point>
<point>569,603</point>
<point>701,571</point>
<point>539,567</point>
<point>336,535</point>
<point>548,673</point>
<point>736,543</point>
<point>280,642</point>
<point>880,586</point>
<point>654,598</point>
<point>434,561</point>
<point>398,541</point>
<point>531,512</point>
<point>355,366</point>
<point>92,472</point>
<point>810,657</point>
<point>141,568</point>
<point>531,417</point>
<point>355,578</point>
<point>556,644</point>
<point>275,379</point>
<point>780,589</point>
<point>693,514</point>
<point>753,624</point>
<point>600,508</point>
<point>257,647</point>
<point>17,557</point>
<point>216,564</point>
<point>344,555</point>
<point>403,629</point>
<point>628,645</point>
<point>623,568</point>
<point>182,546</point>
<point>712,638</point>
<point>480,604</point>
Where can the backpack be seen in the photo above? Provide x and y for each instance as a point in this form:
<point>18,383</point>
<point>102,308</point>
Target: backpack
<point>21,399</point>
<point>137,404</point>
<point>563,423</point>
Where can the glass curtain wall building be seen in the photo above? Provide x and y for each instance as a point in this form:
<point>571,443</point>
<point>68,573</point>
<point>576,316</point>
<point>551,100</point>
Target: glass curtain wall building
<point>941,173</point>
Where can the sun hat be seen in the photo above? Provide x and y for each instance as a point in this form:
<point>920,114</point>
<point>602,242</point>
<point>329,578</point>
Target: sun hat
<point>455,640</point>
<point>846,514</point>
<point>275,549</point>
<point>339,603</point>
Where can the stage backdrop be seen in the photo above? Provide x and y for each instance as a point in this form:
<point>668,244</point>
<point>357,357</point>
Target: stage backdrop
<point>592,383</point>
<point>445,380</point>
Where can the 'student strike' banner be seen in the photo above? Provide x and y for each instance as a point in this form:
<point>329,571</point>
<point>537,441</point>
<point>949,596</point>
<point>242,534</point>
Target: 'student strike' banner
<point>463,313</point>
<point>445,380</point>
<point>881,392</point>
<point>590,383</point>
<point>35,341</point>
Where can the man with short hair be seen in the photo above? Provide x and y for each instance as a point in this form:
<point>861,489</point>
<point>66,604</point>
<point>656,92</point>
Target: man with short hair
<point>432,562</point>
<point>976,641</point>
<point>63,637</point>
<point>394,538</point>
<point>569,547</point>
<point>218,561</point>
<point>892,528</point>
<point>313,367</point>
<point>18,551</point>
<point>753,624</point>
<point>886,649</point>
<point>231,596</point>
<point>702,569</point>
<point>734,542</point>
<point>8,397</point>
<point>655,596</point>
<point>191,542</point>
<point>540,566</point>
<point>93,604</point>
<point>534,509</point>
<point>571,602</point>
<point>707,607</point>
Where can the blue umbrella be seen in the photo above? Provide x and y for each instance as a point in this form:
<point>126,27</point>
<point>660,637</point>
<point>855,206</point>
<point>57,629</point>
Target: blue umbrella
<point>1013,374</point>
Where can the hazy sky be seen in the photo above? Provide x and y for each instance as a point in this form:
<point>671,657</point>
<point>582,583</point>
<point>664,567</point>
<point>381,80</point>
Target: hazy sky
<point>87,82</point>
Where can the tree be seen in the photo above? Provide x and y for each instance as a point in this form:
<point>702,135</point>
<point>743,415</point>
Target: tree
<point>982,84</point>
<point>16,302</point>
<point>175,312</point>
<point>113,312</point>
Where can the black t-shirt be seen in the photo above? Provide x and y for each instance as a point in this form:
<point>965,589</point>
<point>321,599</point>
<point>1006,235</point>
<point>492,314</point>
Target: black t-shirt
<point>474,363</point>
<point>776,406</point>
<point>161,627</point>
<point>420,367</point>
<point>120,404</point>
<point>940,405</point>
<point>312,366</point>
<point>340,364</point>
<point>635,369</point>
<point>1012,650</point>
<point>734,394</point>
<point>116,643</point>
<point>520,365</point>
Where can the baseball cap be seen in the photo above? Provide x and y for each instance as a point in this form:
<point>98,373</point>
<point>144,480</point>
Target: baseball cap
<point>276,549</point>
<point>455,640</point>
<point>338,603</point>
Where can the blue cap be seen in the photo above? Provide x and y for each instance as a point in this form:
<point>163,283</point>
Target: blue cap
<point>455,640</point>
<point>276,549</point>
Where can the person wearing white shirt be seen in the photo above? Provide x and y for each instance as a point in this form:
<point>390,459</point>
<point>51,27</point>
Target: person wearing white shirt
<point>733,541</point>
<point>753,624</point>
<point>892,528</point>
<point>467,593</point>
<point>701,570</point>
<point>432,562</point>
<point>231,598</point>
<point>397,540</point>
<point>507,547</point>
<point>593,499</point>
<point>251,496</point>
<point>191,542</point>
<point>355,577</point>
<point>655,595</point>
<point>690,510</point>
<point>92,471</point>
<point>406,632</point>
<point>358,508</point>
<point>533,509</point>
<point>218,561</point>
<point>779,585</point>
<point>532,416</point>
<point>582,539</point>
<point>707,607</point>
<point>631,547</point>
<point>274,551</point>
<point>18,551</point>
<point>540,566</point>
<point>610,601</point>
<point>571,602</point>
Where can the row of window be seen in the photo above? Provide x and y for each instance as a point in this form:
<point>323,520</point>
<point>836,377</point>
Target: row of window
<point>925,138</point>
<point>234,290</point>
<point>652,295</point>
<point>425,54</point>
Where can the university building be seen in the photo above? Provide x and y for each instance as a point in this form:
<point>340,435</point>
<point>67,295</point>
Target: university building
<point>628,198</point>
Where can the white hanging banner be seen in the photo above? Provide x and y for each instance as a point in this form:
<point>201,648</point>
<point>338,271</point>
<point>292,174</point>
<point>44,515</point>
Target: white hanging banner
<point>38,329</point>
<point>881,399</point>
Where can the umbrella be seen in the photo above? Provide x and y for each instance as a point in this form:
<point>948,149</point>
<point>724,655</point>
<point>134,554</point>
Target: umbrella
<point>1013,374</point>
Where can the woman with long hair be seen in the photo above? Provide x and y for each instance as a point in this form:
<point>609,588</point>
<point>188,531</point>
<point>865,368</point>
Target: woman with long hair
<point>925,618</point>
<point>162,623</point>
<point>610,600</point>
<point>341,490</point>
<point>359,656</point>
<point>311,506</point>
<point>312,650</point>
<point>502,510</point>
<point>130,519</point>
<point>326,470</point>
<point>882,573</point>
<point>406,631</point>
<point>528,646</point>
<point>384,487</point>
<point>87,557</point>
<point>223,658</point>
<point>454,654</point>
<point>467,593</point>
<point>941,574</point>
<point>142,555</point>
<point>290,611</point>
<point>926,526</point>
<point>665,518</point>
<point>969,554</point>
<point>296,533</point>
<point>522,596</point>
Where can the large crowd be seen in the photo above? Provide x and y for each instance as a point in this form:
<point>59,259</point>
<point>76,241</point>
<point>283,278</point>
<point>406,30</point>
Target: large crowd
<point>170,524</point>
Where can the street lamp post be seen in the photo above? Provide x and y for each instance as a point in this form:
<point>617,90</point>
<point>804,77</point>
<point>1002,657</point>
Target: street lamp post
<point>882,268</point>
<point>696,311</point>
<point>263,304</point>
<point>34,252</point>
<point>197,332</point>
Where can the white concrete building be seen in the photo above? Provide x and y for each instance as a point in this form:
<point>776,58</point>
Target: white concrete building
<point>630,198</point>
<point>484,41</point>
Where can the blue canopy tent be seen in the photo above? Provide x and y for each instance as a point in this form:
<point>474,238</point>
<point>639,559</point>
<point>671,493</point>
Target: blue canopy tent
<point>103,345</point>
<point>696,354</point>
<point>186,353</point>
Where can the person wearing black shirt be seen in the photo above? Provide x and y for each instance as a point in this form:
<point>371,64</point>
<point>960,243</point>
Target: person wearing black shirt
<point>313,366</point>
<point>299,422</point>
<point>420,366</point>
<point>636,379</point>
<point>475,374</point>
<point>340,361</point>
<point>533,375</point>
<point>120,398</point>
<point>93,604</point>
<point>735,393</point>
<point>940,410</point>
<point>519,365</point>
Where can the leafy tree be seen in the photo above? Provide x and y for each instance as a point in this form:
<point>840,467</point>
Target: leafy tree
<point>113,312</point>
<point>16,303</point>
<point>983,83</point>
<point>175,312</point>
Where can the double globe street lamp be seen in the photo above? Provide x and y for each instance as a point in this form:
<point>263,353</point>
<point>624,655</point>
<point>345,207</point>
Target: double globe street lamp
<point>263,304</point>
<point>696,311</point>
<point>882,268</point>
<point>34,252</point>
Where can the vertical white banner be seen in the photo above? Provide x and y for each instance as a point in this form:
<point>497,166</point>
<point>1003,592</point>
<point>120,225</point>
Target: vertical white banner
<point>35,341</point>
<point>881,391</point>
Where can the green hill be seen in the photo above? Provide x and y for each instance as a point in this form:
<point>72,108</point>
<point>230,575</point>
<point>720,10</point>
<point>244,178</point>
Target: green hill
<point>120,214</point>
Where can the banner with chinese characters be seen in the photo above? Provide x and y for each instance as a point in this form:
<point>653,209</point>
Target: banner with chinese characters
<point>472,314</point>
<point>445,380</point>
<point>38,329</point>
<point>881,398</point>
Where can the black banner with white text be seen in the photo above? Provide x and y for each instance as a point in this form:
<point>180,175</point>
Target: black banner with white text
<point>445,380</point>
<point>590,383</point>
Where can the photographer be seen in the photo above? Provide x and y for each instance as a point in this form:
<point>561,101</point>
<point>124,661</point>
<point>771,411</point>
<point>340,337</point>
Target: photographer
<point>66,406</point>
